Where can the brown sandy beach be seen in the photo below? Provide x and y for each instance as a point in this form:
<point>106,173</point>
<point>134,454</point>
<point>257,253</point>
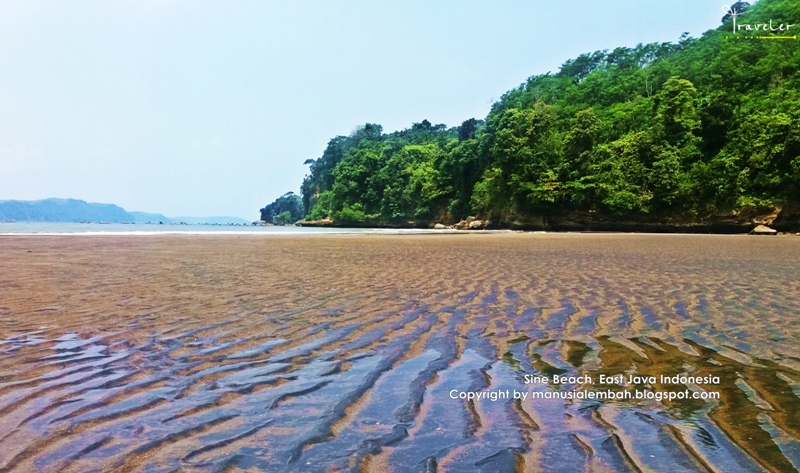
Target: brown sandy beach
<point>337,353</point>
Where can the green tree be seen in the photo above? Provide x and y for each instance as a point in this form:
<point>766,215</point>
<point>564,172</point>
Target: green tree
<point>283,218</point>
<point>289,202</point>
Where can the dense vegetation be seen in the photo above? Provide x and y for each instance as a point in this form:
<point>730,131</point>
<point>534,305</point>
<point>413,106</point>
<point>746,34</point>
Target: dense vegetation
<point>688,129</point>
<point>286,209</point>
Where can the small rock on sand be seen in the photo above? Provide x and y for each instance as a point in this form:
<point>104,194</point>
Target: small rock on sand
<point>763,230</point>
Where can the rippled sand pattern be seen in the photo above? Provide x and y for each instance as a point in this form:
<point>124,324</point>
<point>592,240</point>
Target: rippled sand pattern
<point>337,353</point>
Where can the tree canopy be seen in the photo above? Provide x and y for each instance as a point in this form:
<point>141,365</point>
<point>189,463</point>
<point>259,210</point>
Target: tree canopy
<point>289,207</point>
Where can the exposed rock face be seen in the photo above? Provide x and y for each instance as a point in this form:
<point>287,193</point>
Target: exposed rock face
<point>763,230</point>
<point>766,219</point>
<point>782,219</point>
<point>788,220</point>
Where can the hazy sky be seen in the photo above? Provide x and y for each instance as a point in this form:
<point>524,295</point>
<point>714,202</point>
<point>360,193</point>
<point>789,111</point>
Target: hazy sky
<point>210,108</point>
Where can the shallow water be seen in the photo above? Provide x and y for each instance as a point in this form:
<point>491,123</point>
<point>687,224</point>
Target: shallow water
<point>339,353</point>
<point>143,229</point>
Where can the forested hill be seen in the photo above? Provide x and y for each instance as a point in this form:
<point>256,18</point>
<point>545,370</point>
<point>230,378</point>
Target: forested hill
<point>71,210</point>
<point>75,210</point>
<point>703,131</point>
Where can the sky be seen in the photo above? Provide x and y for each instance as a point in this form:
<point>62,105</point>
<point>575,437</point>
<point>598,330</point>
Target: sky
<point>210,108</point>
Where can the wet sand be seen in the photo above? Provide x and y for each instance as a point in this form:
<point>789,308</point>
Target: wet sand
<point>339,353</point>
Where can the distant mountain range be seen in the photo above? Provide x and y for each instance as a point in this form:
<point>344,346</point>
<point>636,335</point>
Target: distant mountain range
<point>74,210</point>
